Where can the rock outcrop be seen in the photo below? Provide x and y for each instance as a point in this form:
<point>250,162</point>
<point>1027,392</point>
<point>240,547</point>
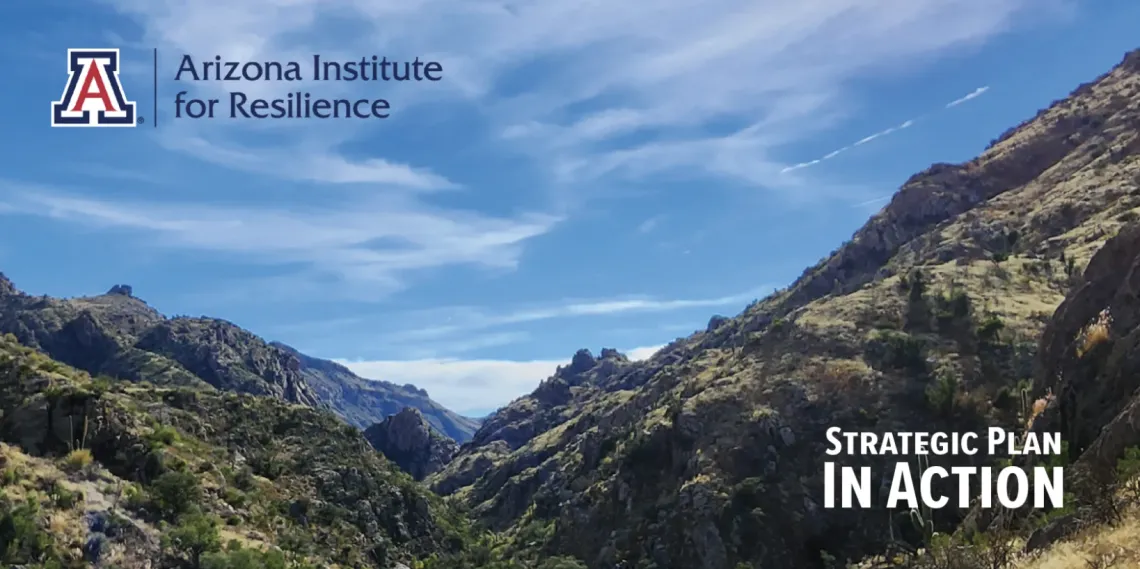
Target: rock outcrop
<point>409,441</point>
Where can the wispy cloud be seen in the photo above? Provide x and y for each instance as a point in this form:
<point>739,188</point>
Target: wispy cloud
<point>466,344</point>
<point>310,161</point>
<point>971,95</point>
<point>111,172</point>
<point>649,225</point>
<point>620,89</point>
<point>470,386</point>
<point>363,246</point>
<point>872,137</point>
<point>465,319</point>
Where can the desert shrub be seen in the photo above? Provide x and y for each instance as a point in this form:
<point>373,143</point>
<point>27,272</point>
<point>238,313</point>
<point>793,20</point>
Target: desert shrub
<point>1005,400</point>
<point>174,493</point>
<point>989,330</point>
<point>10,476</point>
<point>942,394</point>
<point>243,479</point>
<point>163,435</point>
<point>561,563</point>
<point>62,497</point>
<point>192,537</point>
<point>21,539</point>
<point>1128,473</point>
<point>237,557</point>
<point>234,497</point>
<point>892,349</point>
<point>952,311</point>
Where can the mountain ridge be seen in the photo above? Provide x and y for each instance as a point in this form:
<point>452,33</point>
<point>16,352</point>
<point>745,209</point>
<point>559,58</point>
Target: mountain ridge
<point>120,335</point>
<point>359,400</point>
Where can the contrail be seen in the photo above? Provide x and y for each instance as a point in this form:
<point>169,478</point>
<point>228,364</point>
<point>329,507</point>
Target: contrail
<point>906,124</point>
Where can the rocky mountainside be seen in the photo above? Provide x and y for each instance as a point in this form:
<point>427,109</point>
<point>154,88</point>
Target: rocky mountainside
<point>120,336</point>
<point>1087,376</point>
<point>110,473</point>
<point>709,454</point>
<point>409,440</point>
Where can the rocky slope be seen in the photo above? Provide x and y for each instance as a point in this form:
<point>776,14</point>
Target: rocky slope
<point>1087,375</point>
<point>709,453</point>
<point>410,441</point>
<point>101,472</point>
<point>120,336</point>
<point>1090,357</point>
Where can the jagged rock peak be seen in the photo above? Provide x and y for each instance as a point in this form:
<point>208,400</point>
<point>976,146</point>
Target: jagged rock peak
<point>407,439</point>
<point>612,354</point>
<point>1131,60</point>
<point>121,290</point>
<point>582,361</point>
<point>408,416</point>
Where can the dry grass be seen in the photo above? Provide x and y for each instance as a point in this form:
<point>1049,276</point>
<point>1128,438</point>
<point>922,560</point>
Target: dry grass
<point>1101,548</point>
<point>1096,333</point>
<point>1039,407</point>
<point>78,459</point>
<point>838,376</point>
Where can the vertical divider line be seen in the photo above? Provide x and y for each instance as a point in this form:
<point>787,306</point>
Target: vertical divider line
<point>154,120</point>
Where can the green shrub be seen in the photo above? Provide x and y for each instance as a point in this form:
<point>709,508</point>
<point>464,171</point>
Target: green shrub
<point>989,330</point>
<point>892,349</point>
<point>1128,473</point>
<point>1004,400</point>
<point>21,539</point>
<point>953,310</point>
<point>10,476</point>
<point>237,557</point>
<point>194,535</point>
<point>234,497</point>
<point>243,479</point>
<point>62,497</point>
<point>174,493</point>
<point>942,394</point>
<point>164,435</point>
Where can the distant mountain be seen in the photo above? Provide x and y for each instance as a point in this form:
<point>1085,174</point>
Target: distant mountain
<point>363,402</point>
<point>120,336</point>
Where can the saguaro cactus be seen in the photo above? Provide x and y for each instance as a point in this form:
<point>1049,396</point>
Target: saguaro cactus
<point>922,517</point>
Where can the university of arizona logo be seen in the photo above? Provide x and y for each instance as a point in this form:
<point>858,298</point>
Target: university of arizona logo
<point>93,96</point>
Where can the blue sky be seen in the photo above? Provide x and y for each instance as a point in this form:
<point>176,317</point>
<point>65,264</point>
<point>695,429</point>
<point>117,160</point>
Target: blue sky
<point>598,174</point>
